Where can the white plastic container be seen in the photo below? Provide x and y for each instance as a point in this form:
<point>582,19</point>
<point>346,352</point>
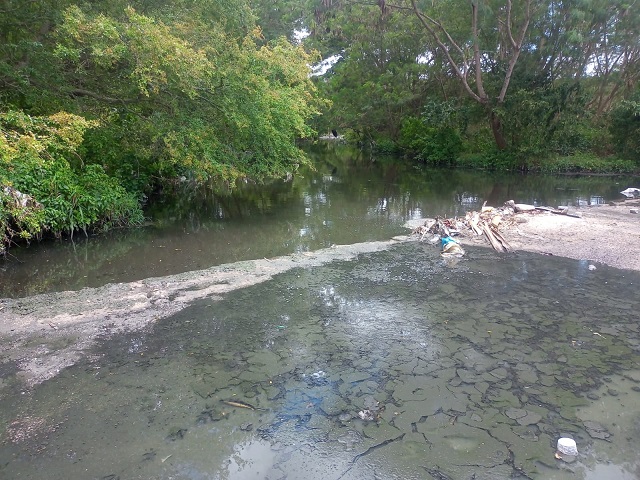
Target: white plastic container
<point>567,446</point>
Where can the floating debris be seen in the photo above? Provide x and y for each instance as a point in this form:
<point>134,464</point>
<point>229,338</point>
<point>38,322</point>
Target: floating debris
<point>366,415</point>
<point>631,192</point>
<point>567,446</point>
<point>451,247</point>
<point>239,404</point>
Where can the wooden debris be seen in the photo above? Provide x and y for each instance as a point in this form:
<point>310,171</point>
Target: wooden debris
<point>505,245</point>
<point>486,222</point>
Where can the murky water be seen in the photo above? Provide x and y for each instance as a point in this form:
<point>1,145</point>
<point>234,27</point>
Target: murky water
<point>396,365</point>
<point>349,198</point>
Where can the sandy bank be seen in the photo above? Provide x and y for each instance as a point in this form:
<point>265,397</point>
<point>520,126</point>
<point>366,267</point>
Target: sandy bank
<point>608,234</point>
<point>604,234</point>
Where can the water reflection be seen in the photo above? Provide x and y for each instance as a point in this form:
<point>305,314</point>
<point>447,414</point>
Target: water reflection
<point>349,198</point>
<point>247,459</point>
<point>592,200</point>
<point>470,371</point>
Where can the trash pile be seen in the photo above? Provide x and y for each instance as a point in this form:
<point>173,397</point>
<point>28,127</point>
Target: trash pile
<point>442,230</point>
<point>486,222</point>
<point>631,192</point>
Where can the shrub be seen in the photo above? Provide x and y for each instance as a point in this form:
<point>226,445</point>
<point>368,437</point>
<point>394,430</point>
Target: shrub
<point>625,128</point>
<point>39,158</point>
<point>439,145</point>
<point>587,163</point>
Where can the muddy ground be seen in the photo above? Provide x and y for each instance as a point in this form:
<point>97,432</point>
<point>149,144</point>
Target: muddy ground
<point>43,334</point>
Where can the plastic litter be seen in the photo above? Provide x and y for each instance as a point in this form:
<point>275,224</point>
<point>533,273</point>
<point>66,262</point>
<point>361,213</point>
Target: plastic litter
<point>451,247</point>
<point>366,415</point>
<point>567,446</point>
<point>631,192</point>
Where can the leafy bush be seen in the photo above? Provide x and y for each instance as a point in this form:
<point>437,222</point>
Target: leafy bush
<point>385,146</point>
<point>625,128</point>
<point>39,158</point>
<point>434,145</point>
<point>498,160</point>
<point>20,216</point>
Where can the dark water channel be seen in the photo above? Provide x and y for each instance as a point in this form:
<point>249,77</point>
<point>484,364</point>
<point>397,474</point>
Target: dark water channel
<point>470,370</point>
<point>350,198</point>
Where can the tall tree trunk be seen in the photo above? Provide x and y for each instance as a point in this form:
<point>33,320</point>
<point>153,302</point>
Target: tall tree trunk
<point>496,128</point>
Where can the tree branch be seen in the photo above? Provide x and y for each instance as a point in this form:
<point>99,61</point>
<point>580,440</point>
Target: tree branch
<point>476,50</point>
<point>427,22</point>
<point>509,32</point>
<point>517,47</point>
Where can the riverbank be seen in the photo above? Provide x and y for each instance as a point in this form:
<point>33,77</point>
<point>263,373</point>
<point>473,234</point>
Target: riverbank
<point>607,234</point>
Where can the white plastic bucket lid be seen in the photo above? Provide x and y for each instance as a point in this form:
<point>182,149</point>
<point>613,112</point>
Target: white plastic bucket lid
<point>567,446</point>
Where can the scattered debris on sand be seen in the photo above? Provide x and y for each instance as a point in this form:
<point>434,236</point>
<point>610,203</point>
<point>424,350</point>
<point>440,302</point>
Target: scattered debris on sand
<point>486,222</point>
<point>599,233</point>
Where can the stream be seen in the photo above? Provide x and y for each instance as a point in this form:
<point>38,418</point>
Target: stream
<point>348,198</point>
<point>397,364</point>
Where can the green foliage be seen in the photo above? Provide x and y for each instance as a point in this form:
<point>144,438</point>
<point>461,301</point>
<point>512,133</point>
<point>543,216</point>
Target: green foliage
<point>586,163</point>
<point>63,198</point>
<point>198,101</point>
<point>434,146</point>
<point>625,128</point>
<point>436,137</point>
<point>492,159</point>
<point>192,90</point>
<point>20,216</point>
<point>385,146</point>
<point>374,84</point>
<point>107,100</point>
<point>576,62</point>
<point>549,119</point>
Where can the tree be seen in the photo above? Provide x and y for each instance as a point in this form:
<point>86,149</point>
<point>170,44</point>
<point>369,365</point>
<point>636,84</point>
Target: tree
<point>377,81</point>
<point>534,77</point>
<point>492,42</point>
<point>192,91</point>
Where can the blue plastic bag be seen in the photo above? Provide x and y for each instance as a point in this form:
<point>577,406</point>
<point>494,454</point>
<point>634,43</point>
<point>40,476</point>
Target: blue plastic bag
<point>447,240</point>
